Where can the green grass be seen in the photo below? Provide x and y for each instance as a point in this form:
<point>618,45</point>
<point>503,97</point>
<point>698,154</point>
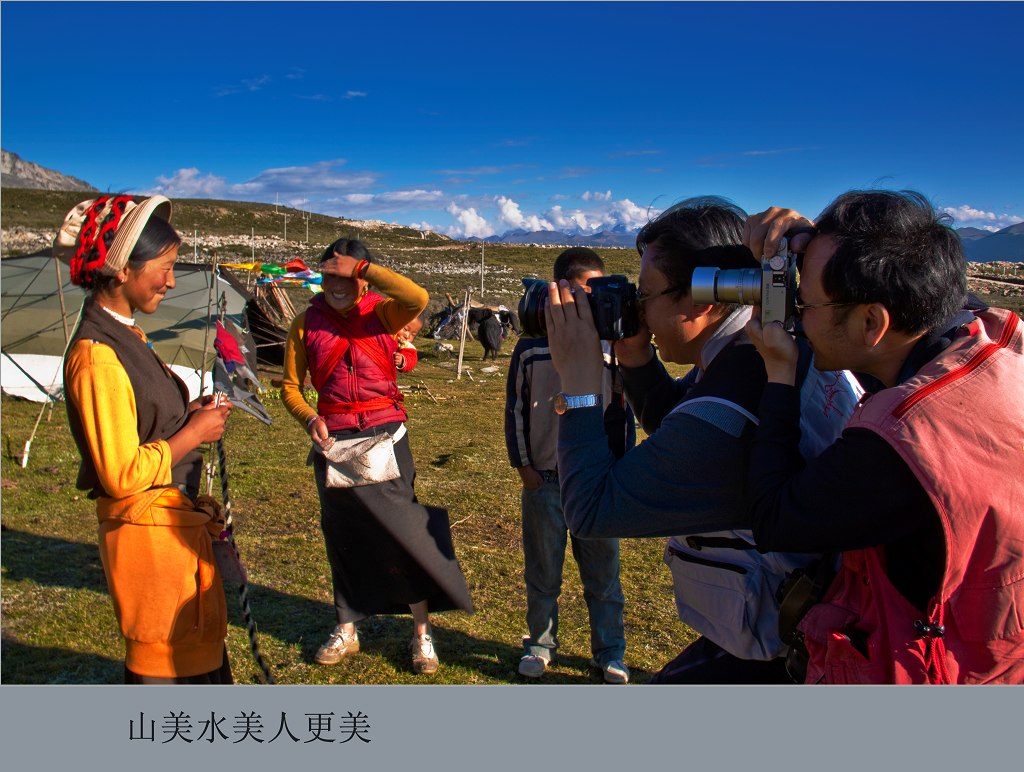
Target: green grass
<point>58,625</point>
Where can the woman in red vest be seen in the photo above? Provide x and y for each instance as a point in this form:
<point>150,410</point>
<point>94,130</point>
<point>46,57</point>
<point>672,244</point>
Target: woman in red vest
<point>387,552</point>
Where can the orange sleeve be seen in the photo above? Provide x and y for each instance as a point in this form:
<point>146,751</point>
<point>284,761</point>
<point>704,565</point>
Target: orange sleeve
<point>295,369</point>
<point>97,384</point>
<point>405,298</point>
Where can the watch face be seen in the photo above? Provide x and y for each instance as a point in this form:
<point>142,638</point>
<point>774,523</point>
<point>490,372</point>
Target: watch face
<point>560,404</point>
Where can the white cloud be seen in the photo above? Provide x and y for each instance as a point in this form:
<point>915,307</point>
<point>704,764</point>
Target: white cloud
<point>255,84</point>
<point>964,216</point>
<point>302,187</point>
<point>729,159</point>
<point>470,222</point>
<point>477,170</point>
<point>329,187</point>
<point>632,216</point>
<point>390,201</point>
<point>509,214</point>
<point>634,153</point>
<point>357,199</point>
<point>623,213</point>
<point>189,183</point>
<point>562,221</point>
<point>354,94</point>
<point>314,180</point>
<point>603,214</point>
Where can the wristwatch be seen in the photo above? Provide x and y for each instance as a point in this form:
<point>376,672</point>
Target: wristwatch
<point>565,402</point>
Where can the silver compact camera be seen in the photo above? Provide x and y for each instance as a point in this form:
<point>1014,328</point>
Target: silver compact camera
<point>773,287</point>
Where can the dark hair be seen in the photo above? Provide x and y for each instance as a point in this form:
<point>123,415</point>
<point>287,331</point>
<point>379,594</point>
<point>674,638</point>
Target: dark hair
<point>893,248</point>
<point>703,231</point>
<point>157,237</point>
<point>351,247</point>
<point>575,261</point>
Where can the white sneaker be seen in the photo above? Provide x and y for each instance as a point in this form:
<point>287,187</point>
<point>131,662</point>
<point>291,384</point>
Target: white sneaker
<point>615,671</point>
<point>424,658</point>
<point>532,666</point>
<point>338,646</point>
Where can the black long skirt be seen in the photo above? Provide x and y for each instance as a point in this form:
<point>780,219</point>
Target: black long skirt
<point>385,549</point>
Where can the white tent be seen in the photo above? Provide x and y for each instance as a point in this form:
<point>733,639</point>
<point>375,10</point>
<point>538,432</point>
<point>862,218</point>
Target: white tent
<point>33,324</point>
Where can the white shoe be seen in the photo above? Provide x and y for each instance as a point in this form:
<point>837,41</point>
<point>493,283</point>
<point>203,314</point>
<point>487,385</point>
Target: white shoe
<point>532,666</point>
<point>615,671</point>
<point>424,658</point>
<point>338,646</point>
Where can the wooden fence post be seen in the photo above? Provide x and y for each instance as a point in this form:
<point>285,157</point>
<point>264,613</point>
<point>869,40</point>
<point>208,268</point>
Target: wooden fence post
<point>465,325</point>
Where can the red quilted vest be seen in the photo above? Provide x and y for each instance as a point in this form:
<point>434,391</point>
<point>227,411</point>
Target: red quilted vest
<point>351,365</point>
<point>959,425</point>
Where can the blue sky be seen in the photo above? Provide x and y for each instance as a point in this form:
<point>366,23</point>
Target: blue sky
<point>478,118</point>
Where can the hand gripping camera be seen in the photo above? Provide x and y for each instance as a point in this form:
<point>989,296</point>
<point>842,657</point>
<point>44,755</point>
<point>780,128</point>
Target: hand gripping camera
<point>613,303</point>
<point>773,287</point>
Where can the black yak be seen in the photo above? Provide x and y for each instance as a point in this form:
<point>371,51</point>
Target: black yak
<point>488,332</point>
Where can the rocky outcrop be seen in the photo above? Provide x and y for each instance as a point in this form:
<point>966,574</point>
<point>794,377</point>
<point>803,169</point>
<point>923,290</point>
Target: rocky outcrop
<point>16,173</point>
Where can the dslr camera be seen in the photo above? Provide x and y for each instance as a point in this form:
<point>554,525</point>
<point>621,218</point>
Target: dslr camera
<point>773,287</point>
<point>613,303</point>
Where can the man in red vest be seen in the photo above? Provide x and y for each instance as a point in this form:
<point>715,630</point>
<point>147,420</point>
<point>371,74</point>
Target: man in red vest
<point>924,492</point>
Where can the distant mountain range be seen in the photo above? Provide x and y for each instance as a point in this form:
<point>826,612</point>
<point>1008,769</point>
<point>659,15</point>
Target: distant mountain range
<point>984,247</point>
<point>980,246</point>
<point>617,236</point>
<point>25,174</point>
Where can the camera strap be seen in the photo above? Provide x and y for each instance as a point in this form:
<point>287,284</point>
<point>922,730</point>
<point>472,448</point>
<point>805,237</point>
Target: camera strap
<point>615,413</point>
<point>802,589</point>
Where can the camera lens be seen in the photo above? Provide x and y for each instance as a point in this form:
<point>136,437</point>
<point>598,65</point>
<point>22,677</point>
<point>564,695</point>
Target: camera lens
<point>531,308</point>
<point>727,285</point>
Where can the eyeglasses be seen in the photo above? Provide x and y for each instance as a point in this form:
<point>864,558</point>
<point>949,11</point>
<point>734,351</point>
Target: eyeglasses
<point>643,297</point>
<point>801,307</point>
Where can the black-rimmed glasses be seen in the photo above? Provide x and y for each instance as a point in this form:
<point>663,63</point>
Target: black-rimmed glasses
<point>643,297</point>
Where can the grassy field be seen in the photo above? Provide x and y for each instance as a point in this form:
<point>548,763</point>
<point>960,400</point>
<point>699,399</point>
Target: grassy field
<point>59,626</point>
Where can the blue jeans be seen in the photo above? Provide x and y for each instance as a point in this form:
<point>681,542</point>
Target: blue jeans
<point>544,541</point>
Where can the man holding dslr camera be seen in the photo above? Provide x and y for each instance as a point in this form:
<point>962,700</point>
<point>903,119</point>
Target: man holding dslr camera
<point>923,491</point>
<point>687,479</point>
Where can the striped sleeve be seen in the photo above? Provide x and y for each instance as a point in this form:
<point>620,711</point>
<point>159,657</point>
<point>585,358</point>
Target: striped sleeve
<point>517,408</point>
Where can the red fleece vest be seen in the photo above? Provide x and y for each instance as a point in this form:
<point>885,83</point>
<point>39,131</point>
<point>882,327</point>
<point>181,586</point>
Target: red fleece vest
<point>959,425</point>
<point>351,365</point>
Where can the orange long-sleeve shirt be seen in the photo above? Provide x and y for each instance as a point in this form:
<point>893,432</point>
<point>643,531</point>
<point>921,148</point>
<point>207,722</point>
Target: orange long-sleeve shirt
<point>98,384</point>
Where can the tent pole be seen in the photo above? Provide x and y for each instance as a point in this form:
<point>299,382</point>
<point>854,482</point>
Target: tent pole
<point>202,365</point>
<point>28,442</point>
<point>63,318</point>
<point>67,344</point>
<point>465,324</point>
<point>60,295</point>
<point>209,318</point>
